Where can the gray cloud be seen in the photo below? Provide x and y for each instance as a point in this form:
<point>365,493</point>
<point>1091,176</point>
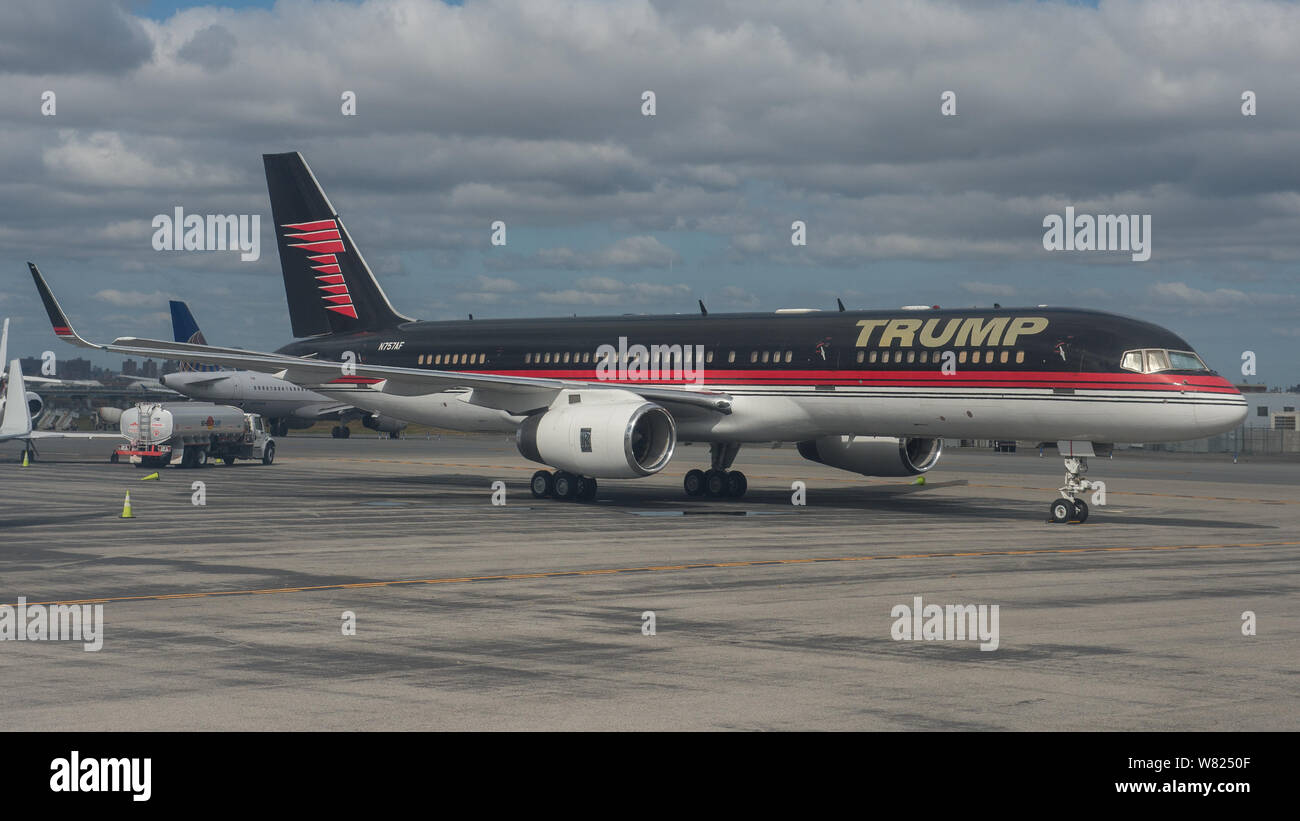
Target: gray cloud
<point>61,37</point>
<point>211,48</point>
<point>529,112</point>
<point>627,254</point>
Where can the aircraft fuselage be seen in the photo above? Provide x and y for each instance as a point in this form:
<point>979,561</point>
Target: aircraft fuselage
<point>1025,373</point>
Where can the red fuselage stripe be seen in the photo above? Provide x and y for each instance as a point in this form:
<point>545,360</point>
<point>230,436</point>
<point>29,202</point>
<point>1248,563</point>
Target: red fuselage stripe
<point>914,379</point>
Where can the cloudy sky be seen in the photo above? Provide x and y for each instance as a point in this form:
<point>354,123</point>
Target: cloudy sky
<point>530,112</point>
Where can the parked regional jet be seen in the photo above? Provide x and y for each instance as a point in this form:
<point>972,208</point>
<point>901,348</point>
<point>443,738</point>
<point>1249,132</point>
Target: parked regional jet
<point>33,400</point>
<point>16,416</point>
<point>284,404</point>
<point>872,392</point>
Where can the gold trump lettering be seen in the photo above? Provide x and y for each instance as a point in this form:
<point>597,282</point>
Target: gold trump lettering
<point>960,332</point>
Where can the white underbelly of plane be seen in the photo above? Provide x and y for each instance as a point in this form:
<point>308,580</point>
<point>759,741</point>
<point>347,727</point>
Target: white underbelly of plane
<point>797,413</point>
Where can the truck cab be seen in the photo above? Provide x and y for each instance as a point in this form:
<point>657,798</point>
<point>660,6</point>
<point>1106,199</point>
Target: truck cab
<point>257,439</point>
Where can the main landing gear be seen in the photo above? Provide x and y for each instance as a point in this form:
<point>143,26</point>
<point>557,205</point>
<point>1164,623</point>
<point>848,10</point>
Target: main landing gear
<point>562,485</point>
<point>1069,508</point>
<point>340,432</point>
<point>717,481</point>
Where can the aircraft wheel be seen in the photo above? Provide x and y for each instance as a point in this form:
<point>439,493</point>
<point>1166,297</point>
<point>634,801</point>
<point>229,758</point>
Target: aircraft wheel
<point>694,483</point>
<point>737,484</point>
<point>715,482</point>
<point>566,485</point>
<point>344,432</point>
<point>1061,511</point>
<point>268,455</point>
<point>586,489</point>
<point>1080,511</point>
<point>542,484</point>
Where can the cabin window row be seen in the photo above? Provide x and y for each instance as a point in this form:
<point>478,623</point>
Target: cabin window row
<point>755,357</point>
<point>452,359</point>
<point>558,358</point>
<point>963,357</point>
<point>586,358</point>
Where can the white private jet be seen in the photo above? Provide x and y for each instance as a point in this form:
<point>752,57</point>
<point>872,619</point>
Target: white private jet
<point>16,417</point>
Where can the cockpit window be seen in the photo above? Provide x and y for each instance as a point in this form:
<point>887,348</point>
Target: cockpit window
<point>1153,360</point>
<point>1157,361</point>
<point>1186,361</point>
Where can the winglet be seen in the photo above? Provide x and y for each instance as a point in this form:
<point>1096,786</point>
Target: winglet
<point>17,419</point>
<point>62,327</point>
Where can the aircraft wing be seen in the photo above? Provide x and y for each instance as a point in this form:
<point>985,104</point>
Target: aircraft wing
<point>211,380</point>
<point>326,411</point>
<point>514,394</point>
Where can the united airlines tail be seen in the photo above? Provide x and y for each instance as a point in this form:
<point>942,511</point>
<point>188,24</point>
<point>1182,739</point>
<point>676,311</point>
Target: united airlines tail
<point>329,287</point>
<point>185,329</point>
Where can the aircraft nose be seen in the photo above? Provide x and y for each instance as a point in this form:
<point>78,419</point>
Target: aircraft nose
<point>1217,418</point>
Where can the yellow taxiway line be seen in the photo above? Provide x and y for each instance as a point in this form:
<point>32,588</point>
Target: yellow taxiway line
<point>554,574</point>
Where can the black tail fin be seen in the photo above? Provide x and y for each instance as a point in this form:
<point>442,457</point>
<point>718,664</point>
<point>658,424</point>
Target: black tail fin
<point>328,284</point>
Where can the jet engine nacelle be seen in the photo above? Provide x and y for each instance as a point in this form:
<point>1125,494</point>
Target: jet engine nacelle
<point>110,416</point>
<point>34,404</point>
<point>383,424</point>
<point>874,455</point>
<point>603,434</point>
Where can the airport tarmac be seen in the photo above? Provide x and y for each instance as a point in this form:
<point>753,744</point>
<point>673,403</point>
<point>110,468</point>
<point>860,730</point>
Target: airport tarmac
<point>768,616</point>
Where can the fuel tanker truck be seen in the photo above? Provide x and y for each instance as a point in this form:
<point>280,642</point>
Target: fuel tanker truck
<point>190,433</point>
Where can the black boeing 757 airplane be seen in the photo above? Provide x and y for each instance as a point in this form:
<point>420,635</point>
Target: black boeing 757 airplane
<point>872,392</point>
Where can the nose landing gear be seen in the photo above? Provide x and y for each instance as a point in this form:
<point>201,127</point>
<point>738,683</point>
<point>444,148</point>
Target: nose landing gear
<point>1070,508</point>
